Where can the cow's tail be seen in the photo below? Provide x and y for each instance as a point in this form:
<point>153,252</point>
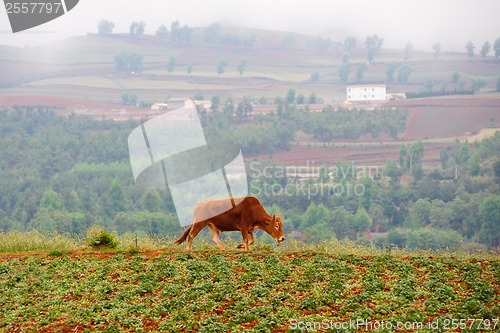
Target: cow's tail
<point>184,236</point>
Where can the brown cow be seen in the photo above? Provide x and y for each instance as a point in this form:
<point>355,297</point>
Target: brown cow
<point>245,216</point>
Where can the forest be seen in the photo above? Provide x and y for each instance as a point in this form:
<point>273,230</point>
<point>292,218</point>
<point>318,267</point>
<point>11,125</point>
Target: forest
<point>65,174</point>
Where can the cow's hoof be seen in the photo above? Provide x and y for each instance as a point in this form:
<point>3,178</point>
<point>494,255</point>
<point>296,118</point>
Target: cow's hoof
<point>240,246</point>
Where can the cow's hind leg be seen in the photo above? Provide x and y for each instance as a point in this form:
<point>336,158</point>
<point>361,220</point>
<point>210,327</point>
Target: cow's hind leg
<point>195,229</point>
<point>215,236</point>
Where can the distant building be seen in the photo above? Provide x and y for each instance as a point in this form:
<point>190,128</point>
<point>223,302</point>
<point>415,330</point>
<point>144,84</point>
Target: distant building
<point>366,92</point>
<point>159,106</point>
<point>204,105</point>
<point>396,96</point>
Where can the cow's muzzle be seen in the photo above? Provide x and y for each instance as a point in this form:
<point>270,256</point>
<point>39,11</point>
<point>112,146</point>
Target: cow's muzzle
<point>279,240</point>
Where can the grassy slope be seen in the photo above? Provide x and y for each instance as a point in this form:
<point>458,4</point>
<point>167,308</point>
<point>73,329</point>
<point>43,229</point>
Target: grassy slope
<point>162,288</point>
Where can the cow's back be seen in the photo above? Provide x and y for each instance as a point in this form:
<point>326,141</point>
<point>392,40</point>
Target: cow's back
<point>227,217</point>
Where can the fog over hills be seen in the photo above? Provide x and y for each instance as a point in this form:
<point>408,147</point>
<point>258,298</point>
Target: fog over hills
<point>449,22</point>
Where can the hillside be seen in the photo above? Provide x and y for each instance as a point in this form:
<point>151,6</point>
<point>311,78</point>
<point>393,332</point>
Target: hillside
<point>78,75</point>
<point>83,67</point>
<point>337,288</point>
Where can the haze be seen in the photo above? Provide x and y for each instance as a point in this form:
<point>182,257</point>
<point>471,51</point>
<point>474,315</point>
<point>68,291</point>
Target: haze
<point>425,22</point>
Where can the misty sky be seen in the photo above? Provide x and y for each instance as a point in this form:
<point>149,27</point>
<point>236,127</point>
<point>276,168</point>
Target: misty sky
<point>423,22</point>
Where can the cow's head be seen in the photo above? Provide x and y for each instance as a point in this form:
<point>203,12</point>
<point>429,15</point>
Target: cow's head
<point>274,227</point>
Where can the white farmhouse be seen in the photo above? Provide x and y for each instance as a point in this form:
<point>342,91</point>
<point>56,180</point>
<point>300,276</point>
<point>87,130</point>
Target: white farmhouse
<point>366,92</point>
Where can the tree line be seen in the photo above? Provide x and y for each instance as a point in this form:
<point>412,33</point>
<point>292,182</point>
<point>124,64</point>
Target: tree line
<point>66,174</point>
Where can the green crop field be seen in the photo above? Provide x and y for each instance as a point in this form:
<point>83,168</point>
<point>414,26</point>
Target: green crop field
<point>332,287</point>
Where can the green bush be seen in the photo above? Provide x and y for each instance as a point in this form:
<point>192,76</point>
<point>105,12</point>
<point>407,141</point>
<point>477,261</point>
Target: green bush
<point>97,237</point>
<point>430,238</point>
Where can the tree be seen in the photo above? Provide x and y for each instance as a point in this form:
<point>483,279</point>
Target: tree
<point>394,237</point>
<point>189,69</point>
<point>132,28</point>
<point>137,28</point>
<point>125,62</point>
<point>343,73</point>
<point>360,72</point>
<point>323,176</point>
<point>135,62</point>
<point>300,99</point>
<point>478,84</point>
<point>322,44</point>
<point>392,170</point>
<point>315,214</point>
<point>211,34</point>
<point>470,49</point>
<point>374,41</point>
<point>496,47</point>
<point>228,108</point>
<point>221,66</point>
<point>290,96</point>
<point>312,98</point>
<point>343,223</point>
<point>162,32</point>
<point>122,62</point>
<point>474,164</point>
<point>129,99</point>
<point>370,56</point>
<point>496,169</point>
<point>349,44</point>
<point>428,85</point>
<point>171,64</point>
<point>150,201</point>
<point>51,200</point>
<point>367,197</point>
<point>437,50</point>
<point>403,157</point>
<point>455,78</point>
<point>115,198</point>
<point>485,49</point>
<point>440,215</point>
<point>278,101</point>
<point>244,107</point>
<point>404,74</point>
<point>242,67</point>
<point>362,220</point>
<point>390,71</point>
<point>408,50</point>
<point>373,45</point>
<point>198,96</point>
<point>178,34</point>
<point>105,27</point>
<point>419,215</point>
<point>140,28</point>
<point>464,153</point>
<point>489,215</point>
<point>215,103</point>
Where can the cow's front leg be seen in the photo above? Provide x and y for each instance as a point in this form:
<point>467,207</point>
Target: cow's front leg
<point>247,241</point>
<point>245,235</point>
